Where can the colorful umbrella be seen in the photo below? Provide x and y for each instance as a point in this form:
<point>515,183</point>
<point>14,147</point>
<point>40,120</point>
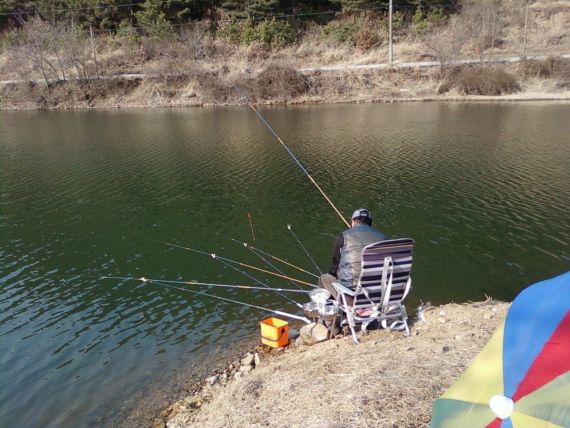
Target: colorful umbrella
<point>521,379</point>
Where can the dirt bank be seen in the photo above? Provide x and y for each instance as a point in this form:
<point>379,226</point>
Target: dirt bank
<point>276,85</point>
<point>387,381</point>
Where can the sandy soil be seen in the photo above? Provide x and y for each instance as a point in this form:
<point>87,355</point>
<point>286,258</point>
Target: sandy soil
<point>387,381</point>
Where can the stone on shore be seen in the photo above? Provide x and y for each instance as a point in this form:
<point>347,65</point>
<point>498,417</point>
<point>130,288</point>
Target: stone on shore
<point>313,333</point>
<point>248,359</point>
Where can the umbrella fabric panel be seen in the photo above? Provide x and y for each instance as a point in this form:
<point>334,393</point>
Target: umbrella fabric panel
<point>532,319</point>
<point>484,377</point>
<point>525,421</point>
<point>458,413</point>
<point>551,362</point>
<point>551,402</point>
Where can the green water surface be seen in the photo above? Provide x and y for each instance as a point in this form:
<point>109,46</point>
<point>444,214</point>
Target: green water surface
<point>484,189</point>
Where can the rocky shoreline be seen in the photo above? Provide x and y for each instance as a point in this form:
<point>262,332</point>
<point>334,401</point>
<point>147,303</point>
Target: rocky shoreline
<point>299,385</point>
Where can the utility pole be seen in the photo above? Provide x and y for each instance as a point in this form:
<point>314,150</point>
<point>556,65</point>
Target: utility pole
<point>391,46</point>
<point>525,31</point>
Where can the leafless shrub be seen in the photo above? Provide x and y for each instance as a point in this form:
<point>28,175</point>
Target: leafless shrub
<point>280,82</point>
<point>550,67</point>
<point>482,24</point>
<point>445,43</point>
<point>55,51</point>
<point>196,43</point>
<point>367,39</point>
<point>73,45</point>
<point>487,81</point>
<point>34,45</point>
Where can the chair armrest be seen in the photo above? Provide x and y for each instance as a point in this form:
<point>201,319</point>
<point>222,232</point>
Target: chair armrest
<point>342,289</point>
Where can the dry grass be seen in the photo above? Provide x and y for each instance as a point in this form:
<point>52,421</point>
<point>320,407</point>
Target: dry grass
<point>480,81</point>
<point>549,68</point>
<point>387,381</point>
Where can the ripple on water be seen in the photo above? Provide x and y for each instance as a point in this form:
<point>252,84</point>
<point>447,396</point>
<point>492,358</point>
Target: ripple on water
<point>484,194</point>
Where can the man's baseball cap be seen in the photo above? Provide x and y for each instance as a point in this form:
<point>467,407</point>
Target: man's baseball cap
<point>361,212</point>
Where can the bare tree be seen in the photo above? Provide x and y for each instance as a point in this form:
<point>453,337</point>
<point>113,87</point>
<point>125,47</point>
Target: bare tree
<point>481,21</point>
<point>76,49</point>
<point>35,46</point>
<point>445,43</point>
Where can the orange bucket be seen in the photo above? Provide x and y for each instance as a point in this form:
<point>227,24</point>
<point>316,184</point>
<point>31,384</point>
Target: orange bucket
<point>274,332</point>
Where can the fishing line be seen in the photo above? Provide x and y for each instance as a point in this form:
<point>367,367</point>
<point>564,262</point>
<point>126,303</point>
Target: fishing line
<point>265,260</point>
<point>214,256</point>
<point>268,126</point>
<point>280,260</point>
<point>201,293</point>
<point>208,284</point>
<point>303,247</point>
<point>225,263</point>
<point>257,281</point>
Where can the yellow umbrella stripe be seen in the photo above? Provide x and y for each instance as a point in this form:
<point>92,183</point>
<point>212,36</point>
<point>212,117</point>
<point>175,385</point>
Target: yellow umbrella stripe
<point>484,377</point>
<point>520,420</point>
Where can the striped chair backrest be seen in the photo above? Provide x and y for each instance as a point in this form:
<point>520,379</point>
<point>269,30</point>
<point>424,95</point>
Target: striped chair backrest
<point>372,267</point>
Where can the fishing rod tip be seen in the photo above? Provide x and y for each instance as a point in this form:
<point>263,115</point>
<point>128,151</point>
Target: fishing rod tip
<point>289,226</point>
<point>143,279</point>
<point>213,255</point>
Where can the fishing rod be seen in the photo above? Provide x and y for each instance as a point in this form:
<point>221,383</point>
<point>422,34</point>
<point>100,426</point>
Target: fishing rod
<point>244,273</point>
<point>303,247</point>
<point>251,225</point>
<point>276,312</point>
<point>300,269</point>
<point>257,281</point>
<point>268,126</point>
<point>216,257</point>
<point>265,260</point>
<point>246,287</point>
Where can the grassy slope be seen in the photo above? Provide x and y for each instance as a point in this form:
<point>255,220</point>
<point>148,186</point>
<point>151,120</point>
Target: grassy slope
<point>389,380</point>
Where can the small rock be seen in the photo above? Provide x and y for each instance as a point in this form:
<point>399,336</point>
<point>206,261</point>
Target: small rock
<point>313,333</point>
<point>488,316</point>
<point>245,369</point>
<point>463,335</point>
<point>211,379</point>
<point>224,376</point>
<point>441,313</point>
<point>256,359</point>
<point>238,375</point>
<point>195,402</point>
<point>446,349</point>
<point>441,320</point>
<point>247,360</point>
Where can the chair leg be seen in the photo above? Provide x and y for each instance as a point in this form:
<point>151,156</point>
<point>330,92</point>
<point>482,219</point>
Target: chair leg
<point>350,318</point>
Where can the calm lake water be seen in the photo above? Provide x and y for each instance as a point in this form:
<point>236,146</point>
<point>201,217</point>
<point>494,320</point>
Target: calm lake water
<point>484,189</point>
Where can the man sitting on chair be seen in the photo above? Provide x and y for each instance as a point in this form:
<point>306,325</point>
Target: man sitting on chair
<point>345,266</point>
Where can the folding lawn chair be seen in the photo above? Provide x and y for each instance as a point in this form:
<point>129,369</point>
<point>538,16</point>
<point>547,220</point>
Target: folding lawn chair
<point>383,284</point>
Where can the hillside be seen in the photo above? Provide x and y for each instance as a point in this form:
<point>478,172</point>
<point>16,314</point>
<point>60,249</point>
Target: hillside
<point>281,61</point>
